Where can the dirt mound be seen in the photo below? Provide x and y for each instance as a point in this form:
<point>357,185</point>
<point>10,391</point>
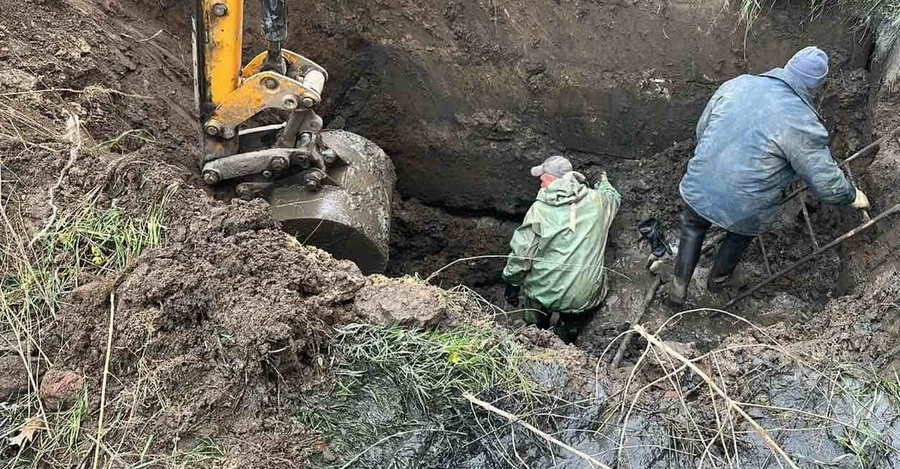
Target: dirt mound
<point>227,321</point>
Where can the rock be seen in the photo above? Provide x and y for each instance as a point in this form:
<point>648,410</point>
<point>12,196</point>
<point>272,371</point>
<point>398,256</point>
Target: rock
<point>60,388</point>
<point>13,377</point>
<point>642,186</point>
<point>17,79</point>
<point>94,292</point>
<point>687,350</point>
<point>402,302</point>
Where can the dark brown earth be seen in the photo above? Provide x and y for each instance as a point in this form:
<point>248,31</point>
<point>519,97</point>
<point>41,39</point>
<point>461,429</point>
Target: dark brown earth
<point>223,330</point>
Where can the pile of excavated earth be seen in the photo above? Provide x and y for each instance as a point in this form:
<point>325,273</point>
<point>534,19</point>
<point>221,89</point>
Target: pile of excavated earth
<point>151,321</point>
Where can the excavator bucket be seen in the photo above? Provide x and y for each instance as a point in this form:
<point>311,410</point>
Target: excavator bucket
<point>330,189</point>
<point>351,219</point>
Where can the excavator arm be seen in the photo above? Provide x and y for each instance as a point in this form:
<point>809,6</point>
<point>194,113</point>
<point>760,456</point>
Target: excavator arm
<point>293,164</point>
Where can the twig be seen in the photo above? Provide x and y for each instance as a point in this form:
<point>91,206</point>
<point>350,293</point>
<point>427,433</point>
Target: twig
<point>530,258</point>
<point>109,338</point>
<point>466,259</point>
<point>73,135</point>
<point>653,340</point>
<point>88,90</point>
<point>512,418</point>
<point>151,37</point>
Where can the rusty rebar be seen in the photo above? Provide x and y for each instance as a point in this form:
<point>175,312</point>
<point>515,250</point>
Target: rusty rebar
<point>818,252</point>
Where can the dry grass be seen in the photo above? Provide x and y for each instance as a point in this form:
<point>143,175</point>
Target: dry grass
<point>883,15</point>
<point>84,240</point>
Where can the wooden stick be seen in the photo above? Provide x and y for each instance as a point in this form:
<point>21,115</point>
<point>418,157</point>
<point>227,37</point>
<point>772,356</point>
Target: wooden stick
<point>648,298</point>
<point>109,340</point>
<point>515,419</point>
<point>656,342</point>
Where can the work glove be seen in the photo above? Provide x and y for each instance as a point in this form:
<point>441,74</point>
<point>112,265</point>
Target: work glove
<point>861,202</point>
<point>512,295</point>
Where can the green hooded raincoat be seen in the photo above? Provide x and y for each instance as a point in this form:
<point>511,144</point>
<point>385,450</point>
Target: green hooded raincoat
<point>557,253</point>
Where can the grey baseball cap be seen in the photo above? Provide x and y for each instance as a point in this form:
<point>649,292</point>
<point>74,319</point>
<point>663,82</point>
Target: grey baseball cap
<point>555,166</point>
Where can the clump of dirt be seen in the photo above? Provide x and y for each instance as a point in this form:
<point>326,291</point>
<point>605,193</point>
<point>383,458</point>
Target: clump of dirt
<point>226,321</point>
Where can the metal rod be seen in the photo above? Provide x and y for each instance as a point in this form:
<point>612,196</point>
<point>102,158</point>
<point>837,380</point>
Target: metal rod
<point>818,252</point>
<point>626,341</point>
<point>274,24</point>
<point>765,256</point>
<point>812,234</point>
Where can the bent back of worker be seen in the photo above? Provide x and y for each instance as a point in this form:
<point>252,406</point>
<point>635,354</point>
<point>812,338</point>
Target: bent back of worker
<point>756,134</point>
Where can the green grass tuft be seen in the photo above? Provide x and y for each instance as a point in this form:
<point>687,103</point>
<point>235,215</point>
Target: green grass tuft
<point>120,143</point>
<point>437,364</point>
<point>396,381</point>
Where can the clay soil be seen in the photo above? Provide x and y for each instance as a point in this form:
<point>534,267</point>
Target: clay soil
<point>224,331</point>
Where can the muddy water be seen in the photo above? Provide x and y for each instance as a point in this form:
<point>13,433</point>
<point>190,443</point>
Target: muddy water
<point>858,425</point>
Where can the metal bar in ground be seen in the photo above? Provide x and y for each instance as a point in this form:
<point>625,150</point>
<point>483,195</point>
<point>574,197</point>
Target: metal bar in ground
<point>765,255</point>
<point>812,234</point>
<point>855,231</point>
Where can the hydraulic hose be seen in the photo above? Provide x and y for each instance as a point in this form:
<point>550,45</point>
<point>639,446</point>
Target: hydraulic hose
<point>274,24</point>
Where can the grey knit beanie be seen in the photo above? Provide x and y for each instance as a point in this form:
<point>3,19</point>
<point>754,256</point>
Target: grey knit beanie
<point>810,64</point>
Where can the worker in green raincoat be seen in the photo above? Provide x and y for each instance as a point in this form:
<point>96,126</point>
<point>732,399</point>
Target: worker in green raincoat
<point>557,253</point>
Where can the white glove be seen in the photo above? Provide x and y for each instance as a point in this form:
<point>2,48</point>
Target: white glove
<point>861,202</point>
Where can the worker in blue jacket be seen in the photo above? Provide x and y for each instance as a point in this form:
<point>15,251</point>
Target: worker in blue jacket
<point>755,135</point>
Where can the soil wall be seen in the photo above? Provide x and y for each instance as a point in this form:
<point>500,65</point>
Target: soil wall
<point>466,95</point>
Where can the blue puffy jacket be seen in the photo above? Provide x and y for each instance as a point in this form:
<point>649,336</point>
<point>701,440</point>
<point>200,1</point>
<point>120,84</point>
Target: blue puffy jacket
<point>755,135</point>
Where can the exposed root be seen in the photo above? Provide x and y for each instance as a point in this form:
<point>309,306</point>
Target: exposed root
<point>73,135</point>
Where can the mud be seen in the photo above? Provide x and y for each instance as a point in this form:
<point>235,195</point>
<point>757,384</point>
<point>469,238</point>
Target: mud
<point>427,240</point>
<point>226,321</point>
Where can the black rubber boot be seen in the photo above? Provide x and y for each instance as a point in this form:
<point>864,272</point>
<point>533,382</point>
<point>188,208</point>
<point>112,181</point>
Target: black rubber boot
<point>727,259</point>
<point>693,232</point>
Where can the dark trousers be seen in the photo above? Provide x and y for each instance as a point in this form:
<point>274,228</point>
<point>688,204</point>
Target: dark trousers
<point>567,326</point>
<point>693,232</point>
